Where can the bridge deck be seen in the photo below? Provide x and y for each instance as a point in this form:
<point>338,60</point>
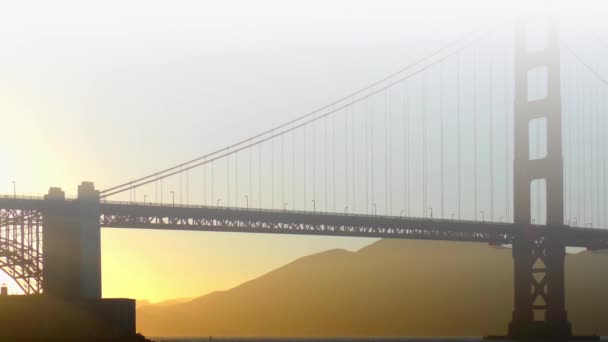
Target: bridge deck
<point>223,219</point>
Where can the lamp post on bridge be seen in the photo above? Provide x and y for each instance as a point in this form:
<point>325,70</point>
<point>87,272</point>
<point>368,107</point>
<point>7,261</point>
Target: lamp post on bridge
<point>314,206</point>
<point>374,209</point>
<point>401,213</point>
<point>247,201</point>
<point>431,210</point>
<point>173,197</point>
<point>346,210</point>
<point>453,215</point>
<point>284,206</point>
<point>145,196</point>
<point>483,216</point>
<point>217,204</point>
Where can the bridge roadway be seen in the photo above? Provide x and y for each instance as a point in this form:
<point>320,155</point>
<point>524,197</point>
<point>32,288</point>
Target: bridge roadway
<point>242,220</point>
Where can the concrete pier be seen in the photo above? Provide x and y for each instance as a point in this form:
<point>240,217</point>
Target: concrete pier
<point>72,244</point>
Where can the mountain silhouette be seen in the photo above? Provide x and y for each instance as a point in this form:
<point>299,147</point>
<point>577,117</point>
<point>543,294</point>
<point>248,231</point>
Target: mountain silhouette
<point>389,288</point>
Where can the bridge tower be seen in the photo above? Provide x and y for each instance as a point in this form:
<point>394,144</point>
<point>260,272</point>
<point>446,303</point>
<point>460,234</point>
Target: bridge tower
<point>72,244</point>
<point>539,310</point>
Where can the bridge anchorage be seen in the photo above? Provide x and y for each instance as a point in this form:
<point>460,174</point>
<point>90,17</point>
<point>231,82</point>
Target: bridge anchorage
<point>51,245</point>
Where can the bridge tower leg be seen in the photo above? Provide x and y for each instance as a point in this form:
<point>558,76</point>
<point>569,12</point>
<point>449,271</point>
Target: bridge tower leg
<point>539,311</point>
<point>72,244</point>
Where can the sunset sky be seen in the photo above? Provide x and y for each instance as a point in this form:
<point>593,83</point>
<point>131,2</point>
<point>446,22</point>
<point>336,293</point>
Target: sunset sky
<point>110,91</point>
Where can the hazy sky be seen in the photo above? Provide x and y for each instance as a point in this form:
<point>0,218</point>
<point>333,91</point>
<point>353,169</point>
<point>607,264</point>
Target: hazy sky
<point>117,89</point>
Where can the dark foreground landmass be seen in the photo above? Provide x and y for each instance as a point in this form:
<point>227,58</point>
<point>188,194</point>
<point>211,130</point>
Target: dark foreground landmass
<point>337,339</point>
<point>390,288</point>
<point>138,338</point>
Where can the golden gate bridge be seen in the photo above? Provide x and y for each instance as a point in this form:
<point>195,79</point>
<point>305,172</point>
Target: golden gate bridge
<point>480,141</point>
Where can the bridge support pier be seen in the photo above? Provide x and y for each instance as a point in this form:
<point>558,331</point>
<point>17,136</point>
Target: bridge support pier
<point>71,306</point>
<point>539,288</point>
<point>72,244</point>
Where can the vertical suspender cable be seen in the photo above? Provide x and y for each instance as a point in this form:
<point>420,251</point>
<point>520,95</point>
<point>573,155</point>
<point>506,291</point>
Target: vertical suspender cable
<point>325,157</point>
<point>491,114</point>
<point>282,171</point>
<point>537,155</point>
<point>593,153</point>
<point>228,180</point>
<point>372,157</point>
<point>408,118</point>
<point>605,218</point>
<point>583,219</point>
<point>568,139</point>
<point>187,187</point>
<point>346,156</point>
<point>236,179</point>
<point>181,190</point>
<point>386,147</point>
<point>260,176</point>
<point>366,128</point>
<point>333,155</point>
<point>352,136</point>
<point>390,157</point>
<point>204,185</point>
<point>441,141</point>
<point>459,190</point>
<point>305,171</point>
<point>598,168</point>
<point>507,105</point>
<point>314,165</point>
<point>250,194</point>
<point>590,139</point>
<point>405,148</point>
<point>475,131</point>
<point>579,152</point>
<point>424,161</point>
<point>272,172</point>
<point>293,169</point>
<point>565,136</point>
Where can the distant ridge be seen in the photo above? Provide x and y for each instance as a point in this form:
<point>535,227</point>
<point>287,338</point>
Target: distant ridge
<point>142,303</point>
<point>389,288</point>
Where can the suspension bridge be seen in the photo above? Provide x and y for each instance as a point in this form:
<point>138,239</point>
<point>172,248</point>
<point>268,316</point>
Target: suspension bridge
<point>497,137</point>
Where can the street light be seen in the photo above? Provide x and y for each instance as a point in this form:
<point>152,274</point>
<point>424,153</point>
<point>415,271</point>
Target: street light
<point>431,210</point>
<point>247,200</point>
<point>345,210</point>
<point>401,213</point>
<point>575,222</point>
<point>284,206</point>
<point>14,190</point>
<point>145,196</point>
<point>217,204</point>
<point>173,197</point>
<point>483,216</point>
<point>314,206</point>
<point>453,214</point>
<point>375,209</point>
<point>500,219</point>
